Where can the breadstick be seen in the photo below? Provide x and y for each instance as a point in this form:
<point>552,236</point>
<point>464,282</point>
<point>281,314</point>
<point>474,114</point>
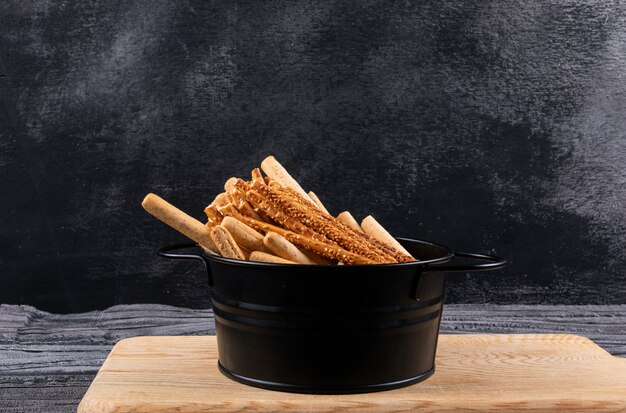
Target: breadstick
<point>326,249</point>
<point>317,202</point>
<point>179,220</point>
<point>221,199</point>
<point>265,257</point>
<point>229,185</point>
<point>300,211</point>
<point>256,174</point>
<point>277,172</point>
<point>213,215</point>
<point>316,258</point>
<point>245,236</point>
<point>213,250</point>
<point>283,248</point>
<point>226,244</point>
<point>350,222</point>
<point>246,253</point>
<point>236,189</point>
<point>280,217</point>
<point>211,211</point>
<point>375,230</point>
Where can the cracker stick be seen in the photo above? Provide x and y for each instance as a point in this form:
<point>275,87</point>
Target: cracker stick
<point>350,222</point>
<point>375,230</point>
<point>213,215</point>
<point>326,249</point>
<point>245,236</point>
<point>213,251</point>
<point>229,185</point>
<point>284,249</point>
<point>317,202</point>
<point>246,253</point>
<point>256,174</point>
<point>316,258</point>
<point>277,172</point>
<point>226,243</point>
<point>211,211</point>
<point>221,199</point>
<point>257,200</point>
<point>236,189</point>
<point>180,221</point>
<point>302,212</point>
<point>230,210</point>
<point>265,257</point>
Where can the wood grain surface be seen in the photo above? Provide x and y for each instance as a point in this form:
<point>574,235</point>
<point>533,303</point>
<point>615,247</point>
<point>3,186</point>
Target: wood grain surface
<point>523,372</point>
<point>47,361</point>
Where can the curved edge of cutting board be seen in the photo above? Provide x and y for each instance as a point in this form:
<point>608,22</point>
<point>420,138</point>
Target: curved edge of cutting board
<point>568,340</point>
<point>481,372</point>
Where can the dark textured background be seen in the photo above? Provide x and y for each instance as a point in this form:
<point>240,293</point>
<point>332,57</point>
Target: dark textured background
<point>490,126</point>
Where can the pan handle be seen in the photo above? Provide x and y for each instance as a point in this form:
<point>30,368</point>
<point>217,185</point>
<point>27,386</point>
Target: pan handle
<point>168,252</point>
<point>494,263</point>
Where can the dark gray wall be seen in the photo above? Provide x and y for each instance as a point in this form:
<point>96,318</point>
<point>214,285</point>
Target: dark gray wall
<point>490,126</point>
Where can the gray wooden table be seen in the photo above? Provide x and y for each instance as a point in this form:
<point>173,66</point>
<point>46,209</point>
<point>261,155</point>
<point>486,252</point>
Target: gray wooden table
<point>47,360</point>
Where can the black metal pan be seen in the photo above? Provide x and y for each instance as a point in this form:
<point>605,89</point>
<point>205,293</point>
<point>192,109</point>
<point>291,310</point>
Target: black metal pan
<point>331,329</point>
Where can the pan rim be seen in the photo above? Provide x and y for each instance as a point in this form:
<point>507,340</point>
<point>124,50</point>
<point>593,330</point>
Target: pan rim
<point>418,264</point>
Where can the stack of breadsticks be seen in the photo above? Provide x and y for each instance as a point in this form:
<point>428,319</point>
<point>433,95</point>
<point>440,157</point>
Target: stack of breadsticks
<point>272,219</point>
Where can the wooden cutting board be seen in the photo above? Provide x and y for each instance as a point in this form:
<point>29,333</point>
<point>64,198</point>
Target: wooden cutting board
<point>529,372</point>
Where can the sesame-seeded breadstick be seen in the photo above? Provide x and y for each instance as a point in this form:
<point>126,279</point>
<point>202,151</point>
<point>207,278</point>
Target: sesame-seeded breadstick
<point>281,195</point>
<point>323,223</point>
<point>322,248</point>
<point>279,216</point>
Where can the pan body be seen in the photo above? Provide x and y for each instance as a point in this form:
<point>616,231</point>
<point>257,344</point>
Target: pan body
<point>329,329</point>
